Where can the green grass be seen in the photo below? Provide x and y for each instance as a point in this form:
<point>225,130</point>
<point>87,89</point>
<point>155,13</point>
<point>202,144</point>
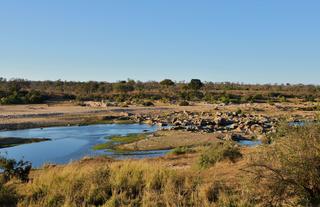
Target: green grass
<point>181,150</point>
<point>98,121</point>
<point>115,141</point>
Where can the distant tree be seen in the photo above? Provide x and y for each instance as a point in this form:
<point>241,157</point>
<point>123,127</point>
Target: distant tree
<point>123,87</point>
<point>167,82</point>
<point>195,84</point>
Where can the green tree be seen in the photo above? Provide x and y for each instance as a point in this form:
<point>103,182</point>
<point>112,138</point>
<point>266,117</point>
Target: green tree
<point>195,84</point>
<point>167,82</point>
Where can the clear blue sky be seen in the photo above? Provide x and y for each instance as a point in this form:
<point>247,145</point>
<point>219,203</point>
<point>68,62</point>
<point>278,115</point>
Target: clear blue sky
<point>257,41</point>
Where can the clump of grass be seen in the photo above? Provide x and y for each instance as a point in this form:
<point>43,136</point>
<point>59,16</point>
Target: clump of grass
<point>184,103</point>
<point>117,140</point>
<point>181,150</point>
<point>8,197</point>
<point>217,152</point>
<point>103,146</point>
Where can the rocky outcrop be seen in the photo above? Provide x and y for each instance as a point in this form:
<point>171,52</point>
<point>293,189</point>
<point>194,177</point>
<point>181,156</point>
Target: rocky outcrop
<point>206,122</point>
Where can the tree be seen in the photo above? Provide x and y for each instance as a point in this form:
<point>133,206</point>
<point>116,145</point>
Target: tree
<point>167,82</point>
<point>195,84</point>
<point>123,87</point>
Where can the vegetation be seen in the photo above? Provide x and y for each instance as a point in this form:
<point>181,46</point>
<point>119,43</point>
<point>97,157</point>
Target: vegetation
<point>195,84</point>
<point>14,169</point>
<point>184,103</point>
<point>167,82</point>
<point>117,184</point>
<point>181,150</point>
<point>284,173</point>
<point>19,91</point>
<point>289,169</point>
<point>148,103</point>
<point>8,197</point>
<point>117,140</point>
<point>219,151</point>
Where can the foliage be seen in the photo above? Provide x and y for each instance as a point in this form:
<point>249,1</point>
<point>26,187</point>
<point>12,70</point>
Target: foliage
<point>195,84</point>
<point>184,103</point>
<point>167,82</point>
<point>116,140</point>
<point>19,91</point>
<point>289,169</point>
<point>12,168</point>
<point>23,97</point>
<point>123,87</point>
<point>219,151</point>
<point>181,150</point>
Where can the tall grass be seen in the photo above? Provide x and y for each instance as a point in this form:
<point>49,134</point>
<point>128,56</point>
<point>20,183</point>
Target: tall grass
<point>217,152</point>
<point>117,184</point>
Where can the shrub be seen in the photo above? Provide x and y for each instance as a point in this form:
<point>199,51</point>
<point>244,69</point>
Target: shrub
<point>282,99</point>
<point>288,171</point>
<point>184,103</point>
<point>11,168</point>
<point>123,87</point>
<point>23,97</point>
<point>181,150</point>
<point>167,82</point>
<point>195,84</point>
<point>225,99</point>
<point>219,151</point>
<point>147,103</point>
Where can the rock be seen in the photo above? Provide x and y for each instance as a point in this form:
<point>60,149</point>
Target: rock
<point>222,122</point>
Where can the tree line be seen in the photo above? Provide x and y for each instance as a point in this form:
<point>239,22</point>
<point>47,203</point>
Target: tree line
<point>22,91</point>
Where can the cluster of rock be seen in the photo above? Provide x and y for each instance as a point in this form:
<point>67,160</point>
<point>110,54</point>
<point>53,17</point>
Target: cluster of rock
<point>240,123</point>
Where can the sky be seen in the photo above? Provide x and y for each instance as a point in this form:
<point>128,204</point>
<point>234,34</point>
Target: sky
<point>249,41</point>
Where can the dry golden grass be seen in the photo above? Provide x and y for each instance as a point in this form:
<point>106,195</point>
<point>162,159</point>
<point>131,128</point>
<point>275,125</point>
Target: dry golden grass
<point>149,182</point>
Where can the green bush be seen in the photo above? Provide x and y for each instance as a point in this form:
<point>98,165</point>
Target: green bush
<point>167,82</point>
<point>181,150</point>
<point>195,84</point>
<point>11,168</point>
<point>23,97</point>
<point>219,151</point>
<point>184,103</point>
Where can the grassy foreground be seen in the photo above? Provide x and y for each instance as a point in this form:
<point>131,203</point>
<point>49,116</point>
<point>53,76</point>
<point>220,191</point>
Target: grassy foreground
<point>284,173</point>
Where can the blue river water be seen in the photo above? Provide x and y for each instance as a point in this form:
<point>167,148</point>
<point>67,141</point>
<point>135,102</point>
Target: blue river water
<point>72,143</point>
